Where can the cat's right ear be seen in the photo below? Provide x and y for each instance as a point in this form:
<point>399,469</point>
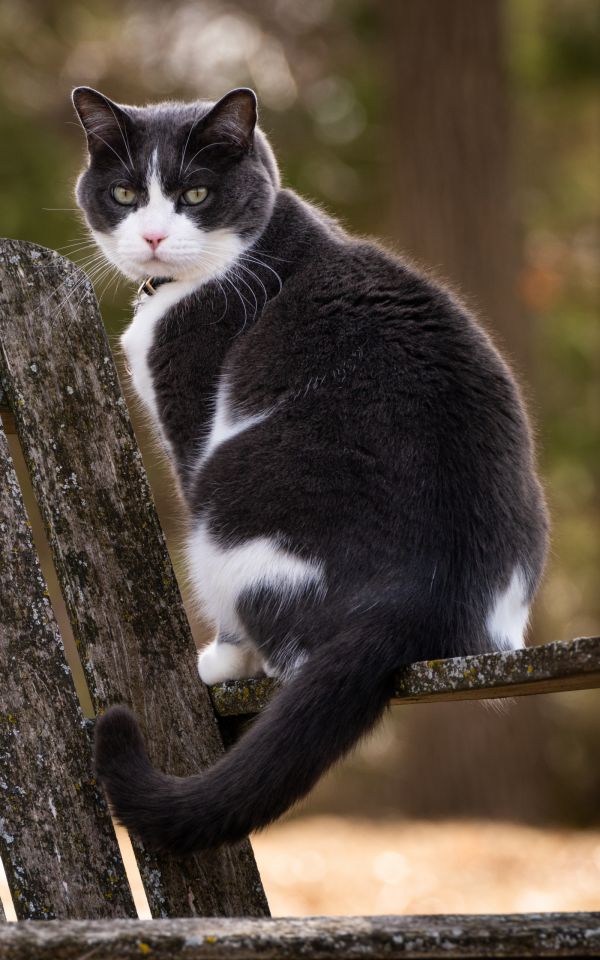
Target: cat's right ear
<point>104,122</point>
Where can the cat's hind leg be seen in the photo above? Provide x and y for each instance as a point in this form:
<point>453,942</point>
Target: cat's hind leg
<point>508,613</point>
<point>229,658</point>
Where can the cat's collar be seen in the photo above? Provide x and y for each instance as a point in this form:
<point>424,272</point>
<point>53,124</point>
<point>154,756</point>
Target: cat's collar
<point>151,285</point>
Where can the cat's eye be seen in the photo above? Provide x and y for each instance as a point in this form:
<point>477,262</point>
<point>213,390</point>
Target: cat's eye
<point>124,195</point>
<point>194,196</point>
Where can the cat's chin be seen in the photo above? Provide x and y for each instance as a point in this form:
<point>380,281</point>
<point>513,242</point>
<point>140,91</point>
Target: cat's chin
<point>158,268</point>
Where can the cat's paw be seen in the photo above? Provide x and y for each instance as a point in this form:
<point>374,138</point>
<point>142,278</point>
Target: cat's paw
<point>225,661</point>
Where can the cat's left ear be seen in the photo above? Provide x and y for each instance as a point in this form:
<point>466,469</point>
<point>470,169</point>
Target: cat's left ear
<point>232,119</point>
<point>103,120</point>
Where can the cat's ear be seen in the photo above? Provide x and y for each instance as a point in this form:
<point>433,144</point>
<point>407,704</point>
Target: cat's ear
<point>105,123</point>
<point>232,119</point>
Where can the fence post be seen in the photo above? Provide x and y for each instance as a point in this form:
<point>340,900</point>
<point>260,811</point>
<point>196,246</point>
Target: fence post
<point>109,552</point>
<point>56,838</point>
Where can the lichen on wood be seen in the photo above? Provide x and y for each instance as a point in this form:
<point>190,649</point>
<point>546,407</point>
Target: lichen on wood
<point>548,668</point>
<point>56,839</point>
<point>312,938</point>
<point>119,588</point>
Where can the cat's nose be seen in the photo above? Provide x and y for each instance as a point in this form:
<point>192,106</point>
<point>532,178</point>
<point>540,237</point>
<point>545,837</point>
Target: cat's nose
<point>154,239</point>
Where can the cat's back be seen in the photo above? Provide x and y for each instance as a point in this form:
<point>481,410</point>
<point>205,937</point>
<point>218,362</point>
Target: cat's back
<point>358,321</point>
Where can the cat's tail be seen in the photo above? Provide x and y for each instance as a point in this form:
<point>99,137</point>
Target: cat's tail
<point>333,700</point>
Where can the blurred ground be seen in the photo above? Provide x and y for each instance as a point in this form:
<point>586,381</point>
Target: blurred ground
<point>330,865</point>
<point>337,865</point>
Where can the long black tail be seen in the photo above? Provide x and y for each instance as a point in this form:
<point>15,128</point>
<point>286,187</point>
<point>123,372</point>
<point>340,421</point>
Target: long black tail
<point>333,700</point>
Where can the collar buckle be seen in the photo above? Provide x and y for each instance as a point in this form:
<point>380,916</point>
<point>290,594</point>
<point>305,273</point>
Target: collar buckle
<point>151,285</point>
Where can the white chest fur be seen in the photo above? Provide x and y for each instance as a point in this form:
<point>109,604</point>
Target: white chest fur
<point>138,339</point>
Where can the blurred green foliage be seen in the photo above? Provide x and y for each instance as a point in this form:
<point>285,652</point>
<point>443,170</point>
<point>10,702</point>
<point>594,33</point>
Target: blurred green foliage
<point>321,69</point>
<point>555,68</point>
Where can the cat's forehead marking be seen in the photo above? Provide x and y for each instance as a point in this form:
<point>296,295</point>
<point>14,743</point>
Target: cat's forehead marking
<point>153,172</point>
<point>158,202</point>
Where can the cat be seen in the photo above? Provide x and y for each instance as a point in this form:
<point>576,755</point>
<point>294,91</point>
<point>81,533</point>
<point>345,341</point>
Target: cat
<point>353,451</point>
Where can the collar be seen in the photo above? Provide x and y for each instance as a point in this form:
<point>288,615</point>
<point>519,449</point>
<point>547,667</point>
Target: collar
<point>151,285</point>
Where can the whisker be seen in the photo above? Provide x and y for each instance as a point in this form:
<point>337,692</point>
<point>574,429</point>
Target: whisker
<point>78,243</point>
<point>77,253</point>
<point>195,123</point>
<point>92,267</point>
<point>80,255</point>
<point>197,170</point>
<point>123,136</point>
<point>245,256</point>
<point>119,158</point>
<point>257,278</point>
<point>110,279</point>
<point>60,286</point>
<point>218,143</point>
<point>246,284</point>
<point>224,292</point>
<point>241,298</point>
<point>77,240</point>
<point>270,256</point>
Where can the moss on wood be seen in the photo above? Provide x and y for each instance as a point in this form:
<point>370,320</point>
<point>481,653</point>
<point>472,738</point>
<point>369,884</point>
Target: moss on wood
<point>56,839</point>
<point>551,667</point>
<point>312,938</point>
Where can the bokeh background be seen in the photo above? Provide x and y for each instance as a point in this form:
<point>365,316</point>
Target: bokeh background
<point>466,134</point>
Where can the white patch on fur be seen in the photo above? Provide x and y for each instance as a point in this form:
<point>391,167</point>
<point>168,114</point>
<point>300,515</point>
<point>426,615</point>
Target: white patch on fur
<point>507,618</point>
<point>219,574</point>
<point>137,341</point>
<point>228,661</point>
<point>225,424</point>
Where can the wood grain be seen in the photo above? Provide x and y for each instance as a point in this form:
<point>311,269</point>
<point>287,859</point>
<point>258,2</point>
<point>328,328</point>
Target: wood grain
<point>312,938</point>
<point>548,668</point>
<point>117,581</point>
<point>56,838</point>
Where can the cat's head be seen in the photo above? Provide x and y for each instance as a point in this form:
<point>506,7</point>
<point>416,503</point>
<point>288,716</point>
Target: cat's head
<point>175,190</point>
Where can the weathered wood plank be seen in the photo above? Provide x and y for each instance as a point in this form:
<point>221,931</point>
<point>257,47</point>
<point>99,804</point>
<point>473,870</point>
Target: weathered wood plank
<point>56,838</point>
<point>313,938</point>
<point>118,584</point>
<point>548,668</point>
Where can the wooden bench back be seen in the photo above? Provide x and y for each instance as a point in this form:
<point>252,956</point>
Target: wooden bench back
<point>60,395</point>
<point>64,402</point>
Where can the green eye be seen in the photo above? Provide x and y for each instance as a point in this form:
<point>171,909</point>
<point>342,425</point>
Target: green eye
<point>194,196</point>
<point>124,195</point>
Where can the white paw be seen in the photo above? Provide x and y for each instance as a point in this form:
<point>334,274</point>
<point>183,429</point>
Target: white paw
<point>226,661</point>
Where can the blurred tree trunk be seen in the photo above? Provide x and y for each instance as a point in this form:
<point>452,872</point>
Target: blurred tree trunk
<point>452,206</point>
<point>453,211</point>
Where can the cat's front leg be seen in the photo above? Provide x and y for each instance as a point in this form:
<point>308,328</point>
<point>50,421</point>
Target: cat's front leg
<point>137,342</point>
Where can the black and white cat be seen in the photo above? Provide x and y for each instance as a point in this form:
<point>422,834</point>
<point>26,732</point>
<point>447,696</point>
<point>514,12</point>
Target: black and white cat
<point>353,452</point>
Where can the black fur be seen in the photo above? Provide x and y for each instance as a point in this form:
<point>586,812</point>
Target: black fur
<point>397,454</point>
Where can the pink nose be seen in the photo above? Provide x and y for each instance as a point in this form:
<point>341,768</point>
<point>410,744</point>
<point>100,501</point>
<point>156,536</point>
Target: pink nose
<point>154,239</point>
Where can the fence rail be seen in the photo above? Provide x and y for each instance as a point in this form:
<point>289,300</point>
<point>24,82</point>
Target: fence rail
<point>548,668</point>
<point>312,938</point>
